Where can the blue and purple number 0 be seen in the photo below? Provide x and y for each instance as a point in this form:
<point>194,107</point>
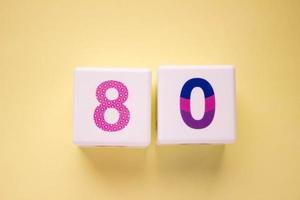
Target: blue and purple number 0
<point>185,104</point>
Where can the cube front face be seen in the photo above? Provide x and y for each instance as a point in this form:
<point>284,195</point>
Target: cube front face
<point>112,107</point>
<point>196,104</point>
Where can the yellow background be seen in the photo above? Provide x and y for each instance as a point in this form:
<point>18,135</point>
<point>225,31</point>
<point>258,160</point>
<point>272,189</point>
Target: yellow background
<point>41,42</point>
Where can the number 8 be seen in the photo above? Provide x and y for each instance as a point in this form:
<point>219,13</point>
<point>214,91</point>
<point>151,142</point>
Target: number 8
<point>117,104</point>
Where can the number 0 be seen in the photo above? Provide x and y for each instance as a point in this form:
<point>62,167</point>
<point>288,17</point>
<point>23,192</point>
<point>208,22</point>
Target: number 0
<point>185,104</point>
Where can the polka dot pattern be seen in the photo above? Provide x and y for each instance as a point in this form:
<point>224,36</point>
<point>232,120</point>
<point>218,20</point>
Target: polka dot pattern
<point>105,103</point>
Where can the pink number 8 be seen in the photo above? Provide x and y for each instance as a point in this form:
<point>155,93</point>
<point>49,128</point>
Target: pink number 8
<point>117,104</point>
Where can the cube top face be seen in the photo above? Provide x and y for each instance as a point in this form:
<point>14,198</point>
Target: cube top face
<point>112,107</point>
<point>196,104</point>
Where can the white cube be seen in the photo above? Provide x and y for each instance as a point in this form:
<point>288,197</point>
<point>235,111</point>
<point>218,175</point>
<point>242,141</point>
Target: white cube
<point>196,104</point>
<point>112,107</point>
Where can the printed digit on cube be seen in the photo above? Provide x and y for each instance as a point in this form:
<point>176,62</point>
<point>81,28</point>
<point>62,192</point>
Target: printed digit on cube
<point>185,104</point>
<point>118,104</point>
